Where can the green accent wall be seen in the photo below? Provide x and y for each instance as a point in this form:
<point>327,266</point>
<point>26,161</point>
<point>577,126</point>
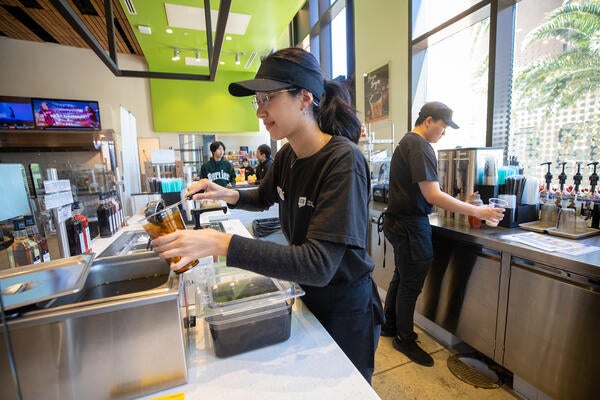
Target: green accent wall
<point>193,106</point>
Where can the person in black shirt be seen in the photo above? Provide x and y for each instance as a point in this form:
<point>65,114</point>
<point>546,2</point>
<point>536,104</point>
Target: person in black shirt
<point>414,190</point>
<point>263,155</point>
<point>321,181</point>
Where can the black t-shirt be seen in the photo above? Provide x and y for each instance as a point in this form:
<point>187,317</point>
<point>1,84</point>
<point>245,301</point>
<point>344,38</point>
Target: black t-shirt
<point>323,208</point>
<point>413,161</point>
<point>263,167</point>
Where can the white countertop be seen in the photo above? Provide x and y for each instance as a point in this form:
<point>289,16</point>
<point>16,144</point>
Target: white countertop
<point>309,365</point>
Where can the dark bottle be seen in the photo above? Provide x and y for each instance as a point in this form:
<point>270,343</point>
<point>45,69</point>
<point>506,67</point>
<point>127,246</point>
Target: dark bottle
<point>34,234</point>
<point>85,227</point>
<point>105,223</point>
<point>119,209</point>
<point>596,216</point>
<point>75,235</point>
<point>23,251</point>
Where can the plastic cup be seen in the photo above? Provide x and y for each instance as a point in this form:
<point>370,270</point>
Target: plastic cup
<point>163,222</point>
<point>495,203</point>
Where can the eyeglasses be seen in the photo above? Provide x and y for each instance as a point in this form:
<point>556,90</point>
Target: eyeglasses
<point>264,99</point>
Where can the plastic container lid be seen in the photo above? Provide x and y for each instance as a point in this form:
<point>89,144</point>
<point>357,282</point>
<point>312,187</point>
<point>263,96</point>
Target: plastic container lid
<point>225,291</point>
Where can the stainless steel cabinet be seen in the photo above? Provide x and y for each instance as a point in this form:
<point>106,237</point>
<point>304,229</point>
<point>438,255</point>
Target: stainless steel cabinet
<point>461,292</point>
<point>552,330</point>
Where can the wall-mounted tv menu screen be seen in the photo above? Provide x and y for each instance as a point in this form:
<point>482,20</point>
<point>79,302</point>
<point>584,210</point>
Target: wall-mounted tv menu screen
<point>16,113</point>
<point>66,114</point>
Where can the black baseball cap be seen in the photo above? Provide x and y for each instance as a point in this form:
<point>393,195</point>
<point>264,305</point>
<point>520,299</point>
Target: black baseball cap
<point>438,110</point>
<point>277,73</point>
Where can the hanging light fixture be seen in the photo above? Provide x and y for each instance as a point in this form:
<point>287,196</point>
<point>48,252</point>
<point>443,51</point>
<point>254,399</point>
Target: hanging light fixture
<point>237,58</point>
<point>175,54</point>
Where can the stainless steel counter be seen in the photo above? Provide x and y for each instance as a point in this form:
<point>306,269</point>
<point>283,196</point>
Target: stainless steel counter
<point>531,311</point>
<point>586,264</point>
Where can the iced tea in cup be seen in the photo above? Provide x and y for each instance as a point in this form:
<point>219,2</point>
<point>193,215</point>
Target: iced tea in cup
<point>496,203</point>
<point>163,222</point>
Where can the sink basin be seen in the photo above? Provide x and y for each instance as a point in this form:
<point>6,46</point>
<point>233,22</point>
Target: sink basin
<point>143,274</point>
<point>120,337</point>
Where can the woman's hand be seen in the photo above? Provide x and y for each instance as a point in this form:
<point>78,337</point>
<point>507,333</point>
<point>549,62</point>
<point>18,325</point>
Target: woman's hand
<point>207,190</point>
<point>488,213</point>
<point>191,245</point>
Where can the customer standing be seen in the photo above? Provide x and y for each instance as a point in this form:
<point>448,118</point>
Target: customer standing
<point>414,189</point>
<point>248,170</point>
<point>321,180</point>
<point>218,169</point>
<point>263,155</point>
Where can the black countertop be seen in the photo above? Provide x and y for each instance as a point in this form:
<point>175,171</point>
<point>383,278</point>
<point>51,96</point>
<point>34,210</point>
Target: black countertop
<point>587,265</point>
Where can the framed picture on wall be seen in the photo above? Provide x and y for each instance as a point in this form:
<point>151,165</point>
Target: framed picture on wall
<point>377,100</point>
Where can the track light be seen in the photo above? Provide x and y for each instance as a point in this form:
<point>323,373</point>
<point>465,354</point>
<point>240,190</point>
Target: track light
<point>175,54</point>
<point>237,58</point>
<point>250,59</point>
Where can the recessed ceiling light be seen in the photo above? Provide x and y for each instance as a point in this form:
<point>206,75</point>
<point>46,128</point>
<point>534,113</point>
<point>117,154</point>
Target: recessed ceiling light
<point>227,37</point>
<point>222,62</point>
<point>146,30</point>
<point>169,30</point>
<point>194,18</point>
<point>191,61</point>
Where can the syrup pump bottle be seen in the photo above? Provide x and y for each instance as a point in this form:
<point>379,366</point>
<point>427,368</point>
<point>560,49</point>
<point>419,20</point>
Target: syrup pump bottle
<point>548,178</point>
<point>34,234</point>
<point>562,179</point>
<point>591,208</point>
<point>23,251</point>
<point>576,194</point>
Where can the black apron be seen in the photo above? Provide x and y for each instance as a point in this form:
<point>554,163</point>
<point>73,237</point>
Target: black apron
<point>351,314</point>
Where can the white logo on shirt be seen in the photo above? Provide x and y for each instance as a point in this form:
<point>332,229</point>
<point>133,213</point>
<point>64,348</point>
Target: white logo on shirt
<point>303,201</point>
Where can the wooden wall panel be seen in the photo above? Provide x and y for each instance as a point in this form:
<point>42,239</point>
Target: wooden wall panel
<point>53,23</point>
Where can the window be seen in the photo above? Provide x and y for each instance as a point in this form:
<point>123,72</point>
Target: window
<point>555,116</point>
<point>451,66</point>
<point>428,14</point>
<point>533,90</point>
<point>328,37</point>
<point>339,45</point>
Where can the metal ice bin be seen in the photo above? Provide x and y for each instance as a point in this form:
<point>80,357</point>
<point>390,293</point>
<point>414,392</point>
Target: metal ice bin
<point>119,337</point>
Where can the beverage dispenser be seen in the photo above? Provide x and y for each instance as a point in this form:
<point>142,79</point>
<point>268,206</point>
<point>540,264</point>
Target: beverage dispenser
<point>476,169</point>
<point>463,171</point>
<point>446,176</point>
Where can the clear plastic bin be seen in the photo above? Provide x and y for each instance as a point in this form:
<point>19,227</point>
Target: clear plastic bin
<point>243,310</point>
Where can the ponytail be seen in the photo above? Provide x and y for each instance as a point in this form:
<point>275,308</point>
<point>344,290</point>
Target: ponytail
<point>335,113</point>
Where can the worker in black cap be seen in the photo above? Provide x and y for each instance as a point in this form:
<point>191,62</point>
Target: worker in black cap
<point>414,190</point>
<point>321,181</point>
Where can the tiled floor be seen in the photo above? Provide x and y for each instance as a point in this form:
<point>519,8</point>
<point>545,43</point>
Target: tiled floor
<point>398,378</point>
